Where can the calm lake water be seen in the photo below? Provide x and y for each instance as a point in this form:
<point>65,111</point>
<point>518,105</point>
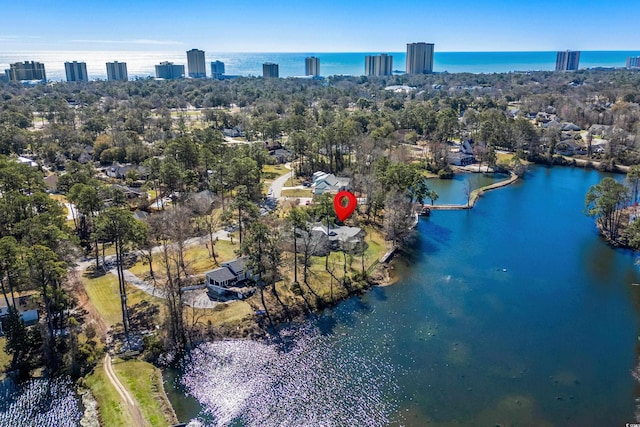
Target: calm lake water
<point>453,191</point>
<point>513,313</point>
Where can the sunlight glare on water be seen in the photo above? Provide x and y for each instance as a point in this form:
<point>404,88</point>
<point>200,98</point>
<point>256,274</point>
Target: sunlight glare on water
<point>309,381</point>
<point>39,403</point>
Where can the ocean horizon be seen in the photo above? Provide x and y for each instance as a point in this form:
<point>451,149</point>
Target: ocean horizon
<point>141,64</point>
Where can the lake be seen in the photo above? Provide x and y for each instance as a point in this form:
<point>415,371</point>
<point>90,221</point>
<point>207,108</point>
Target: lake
<point>513,313</point>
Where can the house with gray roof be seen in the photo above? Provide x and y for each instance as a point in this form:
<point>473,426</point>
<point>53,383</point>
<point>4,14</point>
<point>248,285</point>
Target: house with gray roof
<point>328,182</point>
<point>231,279</point>
<point>340,238</point>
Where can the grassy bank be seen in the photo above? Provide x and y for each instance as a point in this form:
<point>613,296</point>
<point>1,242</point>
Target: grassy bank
<point>144,382</point>
<point>111,408</point>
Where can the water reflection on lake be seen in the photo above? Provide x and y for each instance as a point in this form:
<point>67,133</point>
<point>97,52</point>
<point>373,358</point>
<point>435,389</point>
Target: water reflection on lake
<point>513,313</point>
<point>308,378</point>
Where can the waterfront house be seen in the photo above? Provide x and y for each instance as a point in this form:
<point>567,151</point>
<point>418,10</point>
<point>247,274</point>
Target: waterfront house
<point>339,238</point>
<point>461,154</point>
<point>232,278</point>
<point>235,132</point>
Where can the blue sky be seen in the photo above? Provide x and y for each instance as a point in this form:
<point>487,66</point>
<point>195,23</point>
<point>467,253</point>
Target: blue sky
<point>319,26</point>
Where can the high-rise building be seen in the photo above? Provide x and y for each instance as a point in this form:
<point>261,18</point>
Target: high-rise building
<point>4,78</point>
<point>76,71</point>
<point>217,69</point>
<point>419,58</point>
<point>378,65</point>
<point>169,71</point>
<point>567,60</point>
<point>633,62</point>
<point>27,70</point>
<point>312,66</point>
<point>196,64</point>
<point>269,69</point>
<point>117,71</point>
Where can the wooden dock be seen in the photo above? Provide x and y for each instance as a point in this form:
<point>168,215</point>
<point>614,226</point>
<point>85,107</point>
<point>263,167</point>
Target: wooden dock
<point>387,256</point>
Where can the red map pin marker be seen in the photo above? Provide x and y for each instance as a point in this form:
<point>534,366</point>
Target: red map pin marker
<point>344,203</point>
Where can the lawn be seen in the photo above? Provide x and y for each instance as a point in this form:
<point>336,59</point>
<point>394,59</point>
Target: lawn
<point>104,294</point>
<point>505,157</point>
<point>271,172</point>
<point>196,258</point>
<point>111,408</point>
<point>59,197</point>
<point>144,382</point>
<point>223,314</point>
<point>297,192</point>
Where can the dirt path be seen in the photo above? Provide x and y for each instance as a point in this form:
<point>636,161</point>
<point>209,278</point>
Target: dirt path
<point>130,404</point>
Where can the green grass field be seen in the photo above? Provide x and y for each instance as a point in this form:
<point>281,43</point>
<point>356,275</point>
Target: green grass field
<point>144,382</point>
<point>104,294</point>
<point>271,172</point>
<point>297,193</point>
<point>197,259</point>
<point>224,314</point>
<point>111,408</point>
<point>505,157</point>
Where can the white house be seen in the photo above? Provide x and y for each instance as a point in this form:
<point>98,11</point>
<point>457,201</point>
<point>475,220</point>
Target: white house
<point>461,154</point>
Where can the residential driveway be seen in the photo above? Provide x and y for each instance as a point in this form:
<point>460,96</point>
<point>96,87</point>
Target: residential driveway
<point>278,183</point>
<point>71,211</point>
<point>196,298</point>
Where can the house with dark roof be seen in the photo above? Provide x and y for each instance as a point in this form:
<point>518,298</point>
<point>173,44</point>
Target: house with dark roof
<point>234,132</point>
<point>130,193</point>
<point>569,147</point>
<point>281,155</point>
<point>231,279</point>
<point>461,154</point>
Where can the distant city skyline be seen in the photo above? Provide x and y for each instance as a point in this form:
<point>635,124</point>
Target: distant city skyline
<point>496,25</point>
